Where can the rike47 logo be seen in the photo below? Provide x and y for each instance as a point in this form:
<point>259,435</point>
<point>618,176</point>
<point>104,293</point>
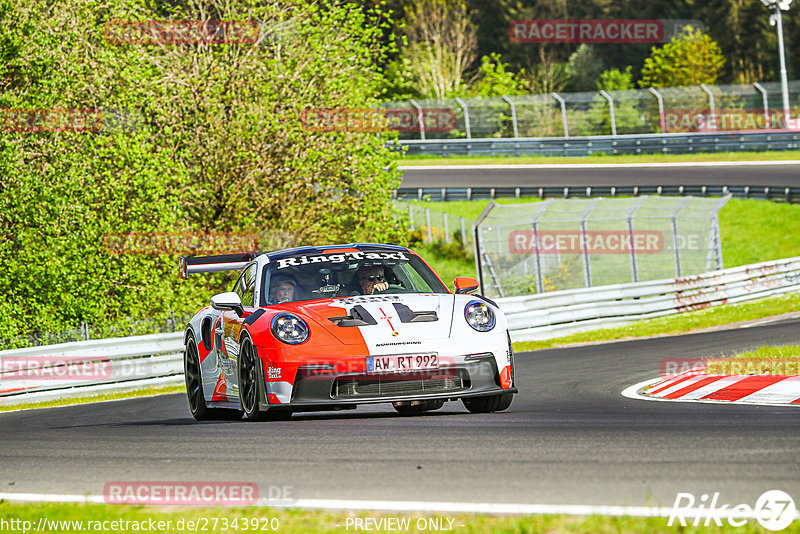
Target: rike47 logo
<point>774,510</point>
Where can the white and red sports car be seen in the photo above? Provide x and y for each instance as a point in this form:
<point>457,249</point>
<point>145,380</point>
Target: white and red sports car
<point>329,328</point>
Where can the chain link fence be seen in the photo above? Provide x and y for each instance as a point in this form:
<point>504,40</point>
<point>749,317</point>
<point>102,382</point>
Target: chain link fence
<point>558,244</point>
<point>171,322</point>
<point>434,225</point>
<point>757,107</point>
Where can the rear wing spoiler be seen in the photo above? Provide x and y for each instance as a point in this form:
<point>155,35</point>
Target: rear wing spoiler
<point>213,264</point>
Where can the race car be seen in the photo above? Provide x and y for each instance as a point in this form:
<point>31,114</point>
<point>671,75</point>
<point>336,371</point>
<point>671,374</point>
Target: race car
<point>329,328</point>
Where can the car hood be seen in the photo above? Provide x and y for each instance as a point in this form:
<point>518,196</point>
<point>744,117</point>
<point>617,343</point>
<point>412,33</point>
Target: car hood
<point>384,320</point>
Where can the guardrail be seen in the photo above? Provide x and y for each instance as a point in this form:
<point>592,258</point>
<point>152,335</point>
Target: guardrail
<point>95,366</point>
<point>682,143</point>
<point>783,194</point>
<point>560,313</point>
<point>119,364</point>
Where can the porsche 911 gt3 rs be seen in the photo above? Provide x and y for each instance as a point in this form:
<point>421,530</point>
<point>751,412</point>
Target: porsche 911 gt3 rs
<point>329,328</point>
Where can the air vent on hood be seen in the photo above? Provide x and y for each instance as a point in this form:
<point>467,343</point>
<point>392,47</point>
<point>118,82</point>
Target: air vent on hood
<point>408,316</point>
<point>358,317</point>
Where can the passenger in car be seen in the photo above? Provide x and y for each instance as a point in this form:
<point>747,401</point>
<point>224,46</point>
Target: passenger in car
<point>371,278</point>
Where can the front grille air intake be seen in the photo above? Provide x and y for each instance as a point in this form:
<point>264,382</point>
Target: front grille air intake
<point>396,385</point>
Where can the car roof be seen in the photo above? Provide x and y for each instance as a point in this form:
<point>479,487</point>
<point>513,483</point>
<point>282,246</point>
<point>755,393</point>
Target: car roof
<point>361,247</point>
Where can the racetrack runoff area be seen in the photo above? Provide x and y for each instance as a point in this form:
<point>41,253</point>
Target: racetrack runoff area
<point>569,444</point>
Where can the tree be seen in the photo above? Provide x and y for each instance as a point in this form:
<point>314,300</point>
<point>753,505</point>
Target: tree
<point>546,76</point>
<point>583,68</point>
<point>442,45</point>
<point>221,147</point>
<point>615,80</point>
<point>689,59</point>
<point>492,79</point>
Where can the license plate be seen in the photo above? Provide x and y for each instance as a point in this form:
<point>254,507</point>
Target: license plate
<point>400,364</point>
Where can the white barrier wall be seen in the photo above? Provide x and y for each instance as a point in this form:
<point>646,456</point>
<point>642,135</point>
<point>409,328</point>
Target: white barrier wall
<point>118,364</point>
<point>72,369</point>
<point>560,313</point>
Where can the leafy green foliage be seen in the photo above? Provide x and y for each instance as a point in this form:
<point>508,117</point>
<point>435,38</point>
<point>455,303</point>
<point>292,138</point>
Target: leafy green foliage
<point>493,79</point>
<point>690,59</point>
<point>615,80</point>
<point>219,146</point>
<point>584,68</point>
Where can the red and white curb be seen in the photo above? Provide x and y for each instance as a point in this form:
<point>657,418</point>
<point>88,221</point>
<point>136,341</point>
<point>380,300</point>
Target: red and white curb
<point>698,386</point>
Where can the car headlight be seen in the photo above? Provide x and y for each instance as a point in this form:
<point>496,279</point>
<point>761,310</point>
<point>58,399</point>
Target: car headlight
<point>289,328</point>
<point>479,316</point>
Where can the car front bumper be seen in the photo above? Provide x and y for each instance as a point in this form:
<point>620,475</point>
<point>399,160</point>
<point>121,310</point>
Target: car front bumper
<point>314,391</point>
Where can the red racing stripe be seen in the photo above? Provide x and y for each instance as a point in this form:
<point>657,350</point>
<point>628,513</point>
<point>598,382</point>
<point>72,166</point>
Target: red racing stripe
<point>667,385</point>
<point>692,387</point>
<point>220,390</point>
<point>744,387</point>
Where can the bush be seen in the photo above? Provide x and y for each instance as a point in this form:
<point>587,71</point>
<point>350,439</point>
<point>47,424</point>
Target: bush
<point>219,147</point>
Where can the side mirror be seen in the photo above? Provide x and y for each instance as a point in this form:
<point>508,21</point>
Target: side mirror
<point>465,285</point>
<point>228,301</point>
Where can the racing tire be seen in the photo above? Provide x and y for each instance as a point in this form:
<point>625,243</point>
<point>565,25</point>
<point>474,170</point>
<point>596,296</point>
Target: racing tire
<point>251,387</point>
<point>490,403</point>
<point>408,409</point>
<point>194,388</point>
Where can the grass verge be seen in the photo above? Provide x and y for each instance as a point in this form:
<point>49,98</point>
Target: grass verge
<point>633,158</point>
<point>679,323</point>
<point>766,360</point>
<point>144,392</point>
<point>752,230</point>
<point>215,519</point>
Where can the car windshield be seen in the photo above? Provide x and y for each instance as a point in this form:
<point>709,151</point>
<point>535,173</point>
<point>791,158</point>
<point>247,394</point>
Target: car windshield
<point>336,273</point>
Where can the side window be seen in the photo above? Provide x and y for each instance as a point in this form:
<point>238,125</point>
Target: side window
<point>239,287</point>
<point>249,284</point>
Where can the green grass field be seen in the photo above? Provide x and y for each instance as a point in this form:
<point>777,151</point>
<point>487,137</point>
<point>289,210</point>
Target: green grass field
<point>287,521</point>
<point>600,158</point>
<point>752,230</point>
<point>769,359</point>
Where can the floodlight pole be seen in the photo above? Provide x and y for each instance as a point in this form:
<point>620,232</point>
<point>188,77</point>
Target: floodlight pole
<point>784,83</point>
<point>777,19</point>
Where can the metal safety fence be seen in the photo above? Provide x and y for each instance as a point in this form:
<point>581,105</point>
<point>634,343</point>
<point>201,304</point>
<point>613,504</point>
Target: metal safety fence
<point>549,315</point>
<point>169,322</point>
<point>756,107</point>
<point>619,145</point>
<point>96,366</point>
<point>435,225</point>
<point>113,365</point>
<point>562,244</point>
<point>779,194</point>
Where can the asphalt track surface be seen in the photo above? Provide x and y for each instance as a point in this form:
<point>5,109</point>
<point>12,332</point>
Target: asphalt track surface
<point>599,176</point>
<point>568,438</point>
